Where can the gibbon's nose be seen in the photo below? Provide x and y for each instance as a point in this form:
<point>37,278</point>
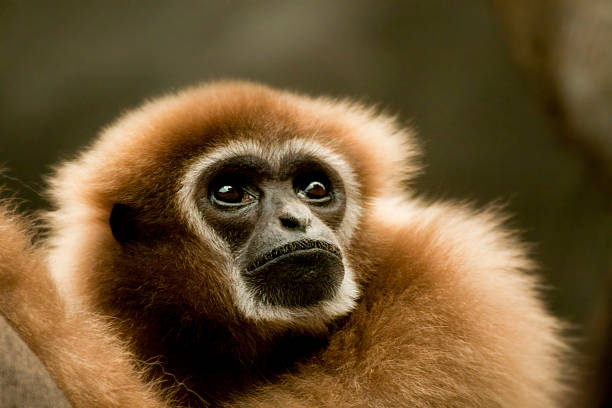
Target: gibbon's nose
<point>295,219</point>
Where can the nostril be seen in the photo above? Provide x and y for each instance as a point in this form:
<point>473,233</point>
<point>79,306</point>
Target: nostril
<point>290,222</point>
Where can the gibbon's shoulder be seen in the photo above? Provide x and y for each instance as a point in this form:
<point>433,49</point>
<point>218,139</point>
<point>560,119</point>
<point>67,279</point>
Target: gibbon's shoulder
<point>458,281</point>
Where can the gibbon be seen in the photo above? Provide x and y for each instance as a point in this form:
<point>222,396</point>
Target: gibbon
<point>233,245</point>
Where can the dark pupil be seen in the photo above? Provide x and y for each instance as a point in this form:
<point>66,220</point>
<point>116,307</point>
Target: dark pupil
<point>315,189</point>
<point>228,194</point>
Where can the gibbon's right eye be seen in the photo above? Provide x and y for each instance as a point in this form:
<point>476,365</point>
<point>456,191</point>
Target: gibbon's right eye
<point>228,194</point>
<point>231,195</point>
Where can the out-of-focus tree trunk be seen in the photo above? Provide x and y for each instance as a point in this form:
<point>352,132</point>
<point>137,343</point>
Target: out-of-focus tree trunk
<point>565,47</point>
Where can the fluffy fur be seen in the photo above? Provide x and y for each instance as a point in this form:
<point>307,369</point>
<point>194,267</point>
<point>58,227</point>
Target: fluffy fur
<point>81,350</point>
<point>441,308</point>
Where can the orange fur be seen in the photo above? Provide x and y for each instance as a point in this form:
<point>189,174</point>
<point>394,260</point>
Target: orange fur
<point>81,351</point>
<point>449,313</point>
<point>450,319</point>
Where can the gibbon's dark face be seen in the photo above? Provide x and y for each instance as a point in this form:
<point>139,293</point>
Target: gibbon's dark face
<point>279,222</point>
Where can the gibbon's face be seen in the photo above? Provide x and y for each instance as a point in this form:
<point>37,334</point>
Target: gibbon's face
<point>280,213</point>
<point>278,219</point>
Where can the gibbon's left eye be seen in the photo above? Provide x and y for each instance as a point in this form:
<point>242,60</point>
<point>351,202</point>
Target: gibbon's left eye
<point>231,195</point>
<point>313,190</point>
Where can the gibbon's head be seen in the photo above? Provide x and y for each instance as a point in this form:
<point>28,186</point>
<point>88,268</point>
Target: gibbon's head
<point>228,199</point>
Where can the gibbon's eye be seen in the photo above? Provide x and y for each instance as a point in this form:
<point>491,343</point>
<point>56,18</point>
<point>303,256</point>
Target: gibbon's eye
<point>228,194</point>
<point>232,195</point>
<point>313,190</point>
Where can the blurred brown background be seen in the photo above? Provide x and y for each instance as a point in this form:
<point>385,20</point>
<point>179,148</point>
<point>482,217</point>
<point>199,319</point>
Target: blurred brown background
<point>511,100</point>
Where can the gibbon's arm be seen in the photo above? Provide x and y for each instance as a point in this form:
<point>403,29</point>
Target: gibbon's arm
<point>451,319</point>
<point>90,365</point>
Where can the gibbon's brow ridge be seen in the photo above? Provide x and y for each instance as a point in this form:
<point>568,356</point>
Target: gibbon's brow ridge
<point>299,245</point>
<point>192,182</point>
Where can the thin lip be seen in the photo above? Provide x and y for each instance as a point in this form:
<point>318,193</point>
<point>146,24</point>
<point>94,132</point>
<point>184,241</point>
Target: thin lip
<point>294,246</point>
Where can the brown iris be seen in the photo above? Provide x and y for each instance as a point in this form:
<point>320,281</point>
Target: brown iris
<point>231,194</point>
<point>315,190</point>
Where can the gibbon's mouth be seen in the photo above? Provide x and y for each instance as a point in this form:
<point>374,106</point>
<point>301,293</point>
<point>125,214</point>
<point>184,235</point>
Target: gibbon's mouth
<point>291,248</point>
<point>298,274</point>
